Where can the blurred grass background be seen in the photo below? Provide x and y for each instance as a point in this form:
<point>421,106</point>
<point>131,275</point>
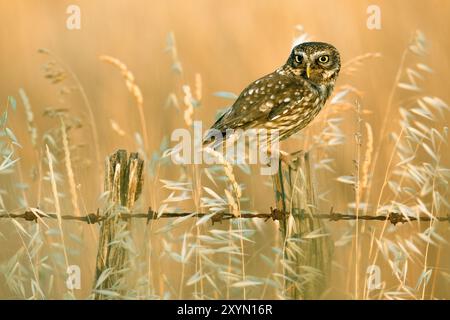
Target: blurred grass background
<point>229,43</point>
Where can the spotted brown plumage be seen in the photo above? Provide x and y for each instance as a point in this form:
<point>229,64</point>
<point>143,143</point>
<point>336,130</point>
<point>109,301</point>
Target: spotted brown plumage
<point>289,98</point>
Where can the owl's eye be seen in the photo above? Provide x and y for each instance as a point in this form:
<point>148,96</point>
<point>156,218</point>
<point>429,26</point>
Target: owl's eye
<point>324,59</point>
<point>298,58</point>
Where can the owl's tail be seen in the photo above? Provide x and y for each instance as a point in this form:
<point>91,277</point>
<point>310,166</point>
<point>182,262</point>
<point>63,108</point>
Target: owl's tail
<point>213,138</point>
<point>217,133</point>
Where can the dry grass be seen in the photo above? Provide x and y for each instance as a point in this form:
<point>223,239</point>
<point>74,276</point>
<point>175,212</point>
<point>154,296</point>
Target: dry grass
<point>363,163</point>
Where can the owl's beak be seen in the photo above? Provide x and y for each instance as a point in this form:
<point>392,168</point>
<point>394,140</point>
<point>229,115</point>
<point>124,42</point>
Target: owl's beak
<point>308,71</point>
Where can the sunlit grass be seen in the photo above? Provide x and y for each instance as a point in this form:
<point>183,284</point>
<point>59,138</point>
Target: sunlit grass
<point>191,258</point>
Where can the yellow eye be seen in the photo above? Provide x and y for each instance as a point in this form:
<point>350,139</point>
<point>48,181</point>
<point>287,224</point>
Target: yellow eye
<point>298,59</point>
<point>324,59</point>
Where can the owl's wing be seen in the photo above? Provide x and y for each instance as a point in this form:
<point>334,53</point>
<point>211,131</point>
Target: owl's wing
<point>261,101</point>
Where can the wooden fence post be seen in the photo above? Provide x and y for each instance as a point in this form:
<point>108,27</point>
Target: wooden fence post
<point>307,250</point>
<point>123,181</point>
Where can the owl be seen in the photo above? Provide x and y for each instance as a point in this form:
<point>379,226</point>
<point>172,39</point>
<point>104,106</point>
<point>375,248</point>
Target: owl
<point>289,98</point>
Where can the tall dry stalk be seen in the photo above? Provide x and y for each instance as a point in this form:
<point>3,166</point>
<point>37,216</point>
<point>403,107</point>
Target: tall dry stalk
<point>73,75</point>
<point>57,204</point>
<point>134,89</point>
<point>69,169</point>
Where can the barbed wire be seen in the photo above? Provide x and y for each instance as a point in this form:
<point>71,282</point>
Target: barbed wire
<point>275,214</point>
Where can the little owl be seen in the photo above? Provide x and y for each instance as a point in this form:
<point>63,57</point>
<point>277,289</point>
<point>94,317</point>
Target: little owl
<point>288,99</point>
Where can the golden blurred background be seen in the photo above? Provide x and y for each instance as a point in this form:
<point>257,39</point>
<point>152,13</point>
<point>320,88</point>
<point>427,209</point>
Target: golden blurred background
<point>229,44</point>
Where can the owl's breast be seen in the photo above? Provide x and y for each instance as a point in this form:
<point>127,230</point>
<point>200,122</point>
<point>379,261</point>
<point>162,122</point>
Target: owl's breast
<point>297,114</point>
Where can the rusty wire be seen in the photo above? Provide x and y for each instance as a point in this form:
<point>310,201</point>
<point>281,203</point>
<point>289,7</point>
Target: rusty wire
<point>275,214</point>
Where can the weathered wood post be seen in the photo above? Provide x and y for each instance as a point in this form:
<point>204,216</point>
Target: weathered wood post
<point>307,249</point>
<point>123,182</point>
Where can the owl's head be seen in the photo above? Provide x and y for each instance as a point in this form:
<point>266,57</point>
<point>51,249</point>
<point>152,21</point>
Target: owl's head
<point>318,62</point>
